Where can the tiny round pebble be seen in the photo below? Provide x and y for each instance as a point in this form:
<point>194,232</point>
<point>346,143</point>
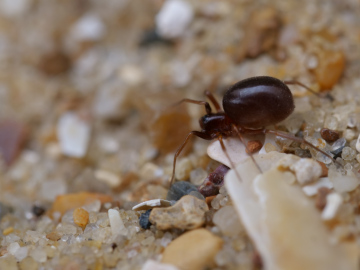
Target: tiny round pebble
<point>329,135</point>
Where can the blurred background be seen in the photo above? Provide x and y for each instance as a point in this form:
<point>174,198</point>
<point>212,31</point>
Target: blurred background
<point>86,86</point>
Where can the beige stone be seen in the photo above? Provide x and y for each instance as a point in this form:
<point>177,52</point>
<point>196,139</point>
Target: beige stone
<point>187,214</point>
<point>193,250</point>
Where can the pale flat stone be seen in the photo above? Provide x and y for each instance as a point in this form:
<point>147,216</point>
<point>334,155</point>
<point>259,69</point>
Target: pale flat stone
<point>193,250</point>
<point>151,204</point>
<point>188,213</point>
<point>284,224</point>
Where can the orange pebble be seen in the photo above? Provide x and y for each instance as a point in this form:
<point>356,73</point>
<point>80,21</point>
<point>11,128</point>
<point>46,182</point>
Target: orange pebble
<point>81,217</point>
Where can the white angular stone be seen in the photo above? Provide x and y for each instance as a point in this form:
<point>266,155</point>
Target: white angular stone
<point>283,223</point>
<point>333,202</point>
<point>173,18</point>
<point>151,204</point>
<point>116,223</point>
<point>73,134</point>
<point>88,28</point>
<point>154,265</point>
<point>311,190</point>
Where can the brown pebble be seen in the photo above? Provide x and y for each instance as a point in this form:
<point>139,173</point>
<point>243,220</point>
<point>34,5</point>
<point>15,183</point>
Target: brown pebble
<point>320,201</point>
<point>53,236</point>
<point>193,250</point>
<point>330,69</point>
<point>55,63</point>
<point>253,146</point>
<point>329,135</point>
<point>81,217</point>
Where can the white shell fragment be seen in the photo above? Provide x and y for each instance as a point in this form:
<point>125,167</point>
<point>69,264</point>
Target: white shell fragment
<point>284,223</point>
<point>173,18</point>
<point>73,134</point>
<point>234,148</point>
<point>151,204</point>
<point>311,190</point>
<point>333,202</point>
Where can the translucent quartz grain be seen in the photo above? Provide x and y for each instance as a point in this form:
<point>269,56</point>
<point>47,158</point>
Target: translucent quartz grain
<point>39,255</point>
<point>197,176</point>
<point>338,144</point>
<point>349,134</point>
<point>227,221</point>
<point>28,264</point>
<point>348,153</point>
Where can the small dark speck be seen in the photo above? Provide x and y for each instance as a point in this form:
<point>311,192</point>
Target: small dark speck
<point>38,210</point>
